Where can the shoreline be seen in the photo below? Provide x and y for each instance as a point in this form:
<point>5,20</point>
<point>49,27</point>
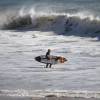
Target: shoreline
<point>49,97</point>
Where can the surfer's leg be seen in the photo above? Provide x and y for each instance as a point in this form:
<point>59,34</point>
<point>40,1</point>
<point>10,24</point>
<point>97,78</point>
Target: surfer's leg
<point>50,65</point>
<point>47,65</point>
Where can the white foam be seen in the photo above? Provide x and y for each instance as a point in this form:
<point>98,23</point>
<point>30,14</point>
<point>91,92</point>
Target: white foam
<point>41,93</point>
<point>50,12</point>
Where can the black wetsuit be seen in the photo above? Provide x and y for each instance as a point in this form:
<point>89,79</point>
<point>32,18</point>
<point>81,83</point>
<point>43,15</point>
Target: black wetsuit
<point>48,54</point>
<point>47,57</point>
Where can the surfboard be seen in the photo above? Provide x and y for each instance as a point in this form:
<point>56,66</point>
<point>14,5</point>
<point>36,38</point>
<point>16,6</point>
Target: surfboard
<point>52,59</point>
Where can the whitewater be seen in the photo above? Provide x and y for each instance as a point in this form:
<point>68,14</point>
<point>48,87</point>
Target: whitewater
<point>69,31</point>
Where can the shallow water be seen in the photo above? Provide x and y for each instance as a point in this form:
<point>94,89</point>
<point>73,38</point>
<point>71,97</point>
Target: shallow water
<point>19,70</point>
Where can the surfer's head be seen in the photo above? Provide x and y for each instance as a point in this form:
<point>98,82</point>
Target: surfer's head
<point>49,50</point>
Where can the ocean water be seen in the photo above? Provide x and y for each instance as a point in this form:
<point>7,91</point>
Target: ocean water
<point>70,28</point>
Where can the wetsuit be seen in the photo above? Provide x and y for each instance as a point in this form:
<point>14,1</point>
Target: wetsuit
<point>48,54</point>
<point>48,57</point>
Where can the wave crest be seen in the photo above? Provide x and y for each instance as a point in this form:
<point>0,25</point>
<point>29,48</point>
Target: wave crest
<point>66,24</point>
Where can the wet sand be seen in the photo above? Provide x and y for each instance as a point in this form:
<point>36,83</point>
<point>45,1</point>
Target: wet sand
<point>45,98</point>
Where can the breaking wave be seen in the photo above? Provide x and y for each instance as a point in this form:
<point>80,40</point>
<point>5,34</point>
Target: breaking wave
<point>40,93</point>
<point>60,23</point>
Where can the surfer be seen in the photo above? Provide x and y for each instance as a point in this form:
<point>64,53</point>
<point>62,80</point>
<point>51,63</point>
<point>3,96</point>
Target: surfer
<point>48,58</point>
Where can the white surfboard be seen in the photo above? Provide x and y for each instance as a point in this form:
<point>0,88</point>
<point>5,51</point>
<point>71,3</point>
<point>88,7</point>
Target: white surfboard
<point>52,59</point>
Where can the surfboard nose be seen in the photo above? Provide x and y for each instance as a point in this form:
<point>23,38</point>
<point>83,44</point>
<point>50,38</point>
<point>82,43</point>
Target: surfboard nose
<point>38,58</point>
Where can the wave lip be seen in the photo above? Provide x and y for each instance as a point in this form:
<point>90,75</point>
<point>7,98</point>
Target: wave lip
<point>58,93</point>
